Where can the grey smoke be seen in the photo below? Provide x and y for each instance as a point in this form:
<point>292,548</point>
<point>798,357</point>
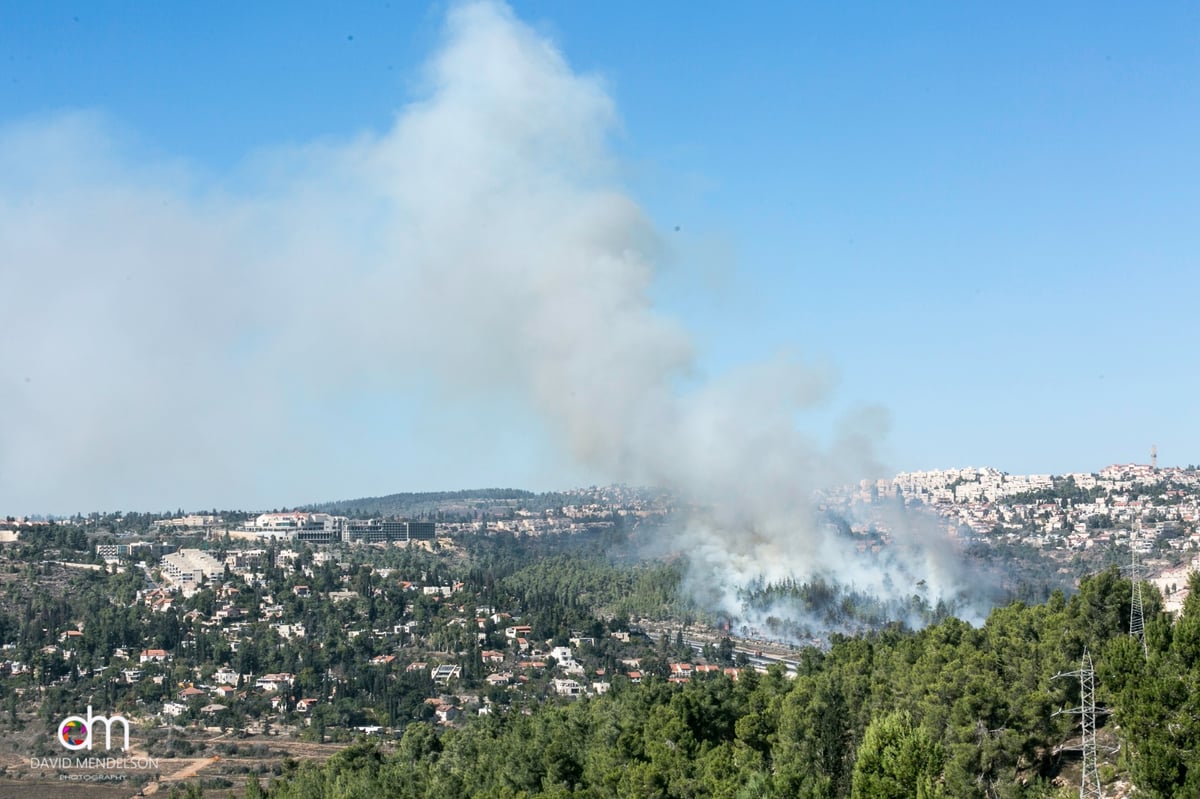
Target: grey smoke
<point>167,326</point>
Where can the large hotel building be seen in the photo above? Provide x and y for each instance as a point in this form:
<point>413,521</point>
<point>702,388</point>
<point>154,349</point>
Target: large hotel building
<point>323,528</point>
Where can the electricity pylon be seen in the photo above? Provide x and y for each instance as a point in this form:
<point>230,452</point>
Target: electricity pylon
<point>1137,621</point>
<point>1089,787</point>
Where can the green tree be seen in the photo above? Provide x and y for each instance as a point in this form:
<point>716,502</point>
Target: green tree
<point>897,761</point>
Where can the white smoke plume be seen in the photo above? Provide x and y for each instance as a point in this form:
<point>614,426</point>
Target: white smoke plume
<point>159,325</point>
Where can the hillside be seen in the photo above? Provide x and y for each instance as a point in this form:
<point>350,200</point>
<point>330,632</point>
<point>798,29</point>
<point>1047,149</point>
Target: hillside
<point>949,711</point>
<point>414,504</point>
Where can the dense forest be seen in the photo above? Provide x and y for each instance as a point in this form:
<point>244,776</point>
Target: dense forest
<point>949,711</point>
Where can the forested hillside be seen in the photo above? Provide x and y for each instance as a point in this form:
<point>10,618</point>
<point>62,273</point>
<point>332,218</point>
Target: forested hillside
<point>422,503</point>
<point>949,711</point>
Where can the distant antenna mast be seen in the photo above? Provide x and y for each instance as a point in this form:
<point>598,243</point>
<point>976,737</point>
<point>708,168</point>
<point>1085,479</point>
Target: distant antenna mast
<point>1089,786</point>
<point>1154,457</point>
<point>1137,621</point>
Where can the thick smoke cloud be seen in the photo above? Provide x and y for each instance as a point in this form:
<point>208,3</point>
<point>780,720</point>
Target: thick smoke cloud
<point>162,329</point>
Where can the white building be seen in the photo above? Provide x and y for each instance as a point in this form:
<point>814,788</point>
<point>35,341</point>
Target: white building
<point>173,708</point>
<point>186,568</point>
<point>226,676</point>
<point>568,688</point>
<point>444,674</point>
<point>274,682</point>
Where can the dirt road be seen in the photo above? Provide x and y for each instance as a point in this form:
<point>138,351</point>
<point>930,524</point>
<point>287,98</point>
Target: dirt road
<point>186,773</point>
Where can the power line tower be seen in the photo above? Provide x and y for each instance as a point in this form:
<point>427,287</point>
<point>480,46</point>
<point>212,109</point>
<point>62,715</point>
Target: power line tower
<point>1089,787</point>
<point>1137,620</point>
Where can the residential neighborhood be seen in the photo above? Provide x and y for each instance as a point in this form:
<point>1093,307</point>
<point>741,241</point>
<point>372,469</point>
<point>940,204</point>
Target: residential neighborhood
<point>230,632</point>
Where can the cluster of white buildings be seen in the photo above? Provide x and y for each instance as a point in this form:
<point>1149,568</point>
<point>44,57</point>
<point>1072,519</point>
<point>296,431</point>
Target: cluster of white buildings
<point>1159,502</point>
<point>325,528</point>
<point>112,553</point>
<point>195,521</point>
<point>970,484</point>
<point>966,485</point>
<point>188,568</point>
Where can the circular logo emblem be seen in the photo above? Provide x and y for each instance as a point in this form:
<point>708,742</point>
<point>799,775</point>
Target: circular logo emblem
<point>74,733</point>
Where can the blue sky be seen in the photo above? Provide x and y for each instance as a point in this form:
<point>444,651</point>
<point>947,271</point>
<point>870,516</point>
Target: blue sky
<point>980,219</point>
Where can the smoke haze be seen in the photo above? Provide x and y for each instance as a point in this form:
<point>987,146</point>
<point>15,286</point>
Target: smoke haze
<point>165,330</point>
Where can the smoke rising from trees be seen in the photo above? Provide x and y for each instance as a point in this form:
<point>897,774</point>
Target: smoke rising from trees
<point>162,328</point>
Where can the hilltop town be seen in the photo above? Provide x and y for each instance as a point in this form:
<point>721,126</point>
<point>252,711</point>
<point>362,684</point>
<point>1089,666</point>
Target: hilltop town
<point>1062,518</point>
<point>1047,510</point>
